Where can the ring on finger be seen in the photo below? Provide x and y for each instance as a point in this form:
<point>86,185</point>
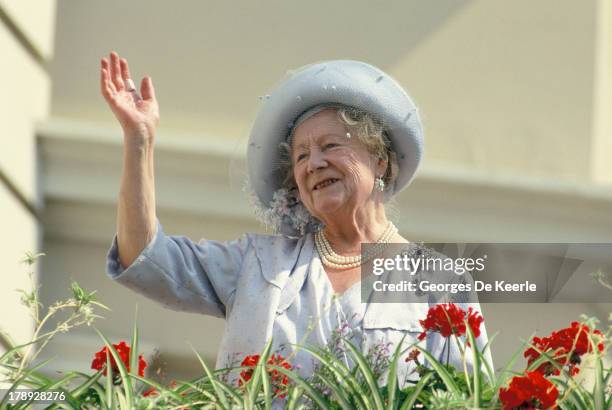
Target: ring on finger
<point>129,84</point>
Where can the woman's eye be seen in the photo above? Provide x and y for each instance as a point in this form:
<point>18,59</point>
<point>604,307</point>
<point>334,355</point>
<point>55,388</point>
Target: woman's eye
<point>330,145</point>
<point>300,157</point>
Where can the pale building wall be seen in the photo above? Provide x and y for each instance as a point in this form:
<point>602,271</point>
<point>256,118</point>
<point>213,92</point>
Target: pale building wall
<point>507,88</point>
<point>26,39</point>
<point>504,87</point>
<point>601,146</point>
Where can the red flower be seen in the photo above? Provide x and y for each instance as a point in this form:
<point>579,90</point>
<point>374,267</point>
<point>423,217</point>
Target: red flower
<point>123,350</point>
<point>565,346</point>
<point>250,361</point>
<point>278,380</point>
<point>154,392</point>
<point>448,319</point>
<point>528,392</point>
<point>150,392</point>
<point>413,356</point>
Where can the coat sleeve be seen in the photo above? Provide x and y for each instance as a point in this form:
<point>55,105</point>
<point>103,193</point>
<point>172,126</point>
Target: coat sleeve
<point>181,274</point>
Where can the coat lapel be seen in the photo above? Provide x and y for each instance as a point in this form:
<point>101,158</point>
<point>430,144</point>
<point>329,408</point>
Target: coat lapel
<point>283,263</point>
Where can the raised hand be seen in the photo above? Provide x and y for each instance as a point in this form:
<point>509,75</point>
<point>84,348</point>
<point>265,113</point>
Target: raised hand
<point>138,114</point>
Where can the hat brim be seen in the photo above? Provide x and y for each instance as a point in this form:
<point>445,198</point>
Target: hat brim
<point>345,82</point>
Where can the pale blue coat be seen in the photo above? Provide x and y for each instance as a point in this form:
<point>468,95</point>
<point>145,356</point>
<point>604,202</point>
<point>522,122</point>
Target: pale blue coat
<point>250,281</point>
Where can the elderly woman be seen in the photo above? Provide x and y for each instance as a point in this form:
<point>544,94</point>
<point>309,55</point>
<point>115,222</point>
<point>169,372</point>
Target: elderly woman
<point>329,147</point>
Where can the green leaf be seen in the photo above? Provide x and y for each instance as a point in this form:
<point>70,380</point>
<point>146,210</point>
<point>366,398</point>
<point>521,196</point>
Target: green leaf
<point>442,371</point>
<point>214,383</point>
<point>308,389</point>
<point>501,379</point>
<point>547,358</point>
<point>342,374</point>
<point>125,377</point>
<point>411,400</point>
<point>267,393</point>
<point>81,295</point>
<point>255,382</point>
<point>228,389</point>
<point>6,354</point>
<point>367,374</point>
<point>293,396</point>
<point>489,369</point>
<point>209,396</point>
<point>38,379</point>
<point>110,389</point>
<point>337,390</point>
<point>51,385</point>
<point>476,369</point>
<point>599,390</point>
<point>30,258</point>
<point>575,387</point>
<point>123,401</point>
<point>392,375</point>
<point>21,380</point>
<point>76,392</point>
<point>94,302</point>
<point>54,385</point>
<point>577,397</point>
<point>134,345</point>
<point>160,388</point>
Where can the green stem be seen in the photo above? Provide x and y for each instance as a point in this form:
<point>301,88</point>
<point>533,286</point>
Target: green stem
<point>447,347</point>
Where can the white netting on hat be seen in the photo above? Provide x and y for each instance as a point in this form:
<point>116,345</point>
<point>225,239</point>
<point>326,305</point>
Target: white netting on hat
<point>285,214</point>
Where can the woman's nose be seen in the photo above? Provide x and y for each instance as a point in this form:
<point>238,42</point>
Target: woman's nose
<point>316,161</point>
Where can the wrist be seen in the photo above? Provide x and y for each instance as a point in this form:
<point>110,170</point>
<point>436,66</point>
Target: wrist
<point>138,138</point>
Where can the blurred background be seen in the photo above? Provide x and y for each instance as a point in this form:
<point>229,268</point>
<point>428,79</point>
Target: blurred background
<point>516,99</point>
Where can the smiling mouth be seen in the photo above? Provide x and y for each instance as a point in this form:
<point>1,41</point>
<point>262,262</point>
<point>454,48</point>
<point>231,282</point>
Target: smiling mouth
<point>325,184</point>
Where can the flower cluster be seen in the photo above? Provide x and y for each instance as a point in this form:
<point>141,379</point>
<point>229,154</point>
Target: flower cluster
<point>449,319</point>
<point>123,350</point>
<point>565,346</point>
<point>278,380</point>
<point>531,391</point>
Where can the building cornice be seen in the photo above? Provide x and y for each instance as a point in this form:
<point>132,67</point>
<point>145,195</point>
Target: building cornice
<point>201,177</point>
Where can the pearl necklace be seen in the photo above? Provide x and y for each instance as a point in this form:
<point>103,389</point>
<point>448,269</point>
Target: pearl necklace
<point>334,260</point>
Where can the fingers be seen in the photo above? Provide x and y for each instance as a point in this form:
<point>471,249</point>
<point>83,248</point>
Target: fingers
<point>115,72</point>
<point>146,88</point>
<point>125,70</point>
<point>127,79</point>
<point>106,86</point>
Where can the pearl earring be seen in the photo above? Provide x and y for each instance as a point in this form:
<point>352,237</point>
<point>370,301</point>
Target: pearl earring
<point>379,184</point>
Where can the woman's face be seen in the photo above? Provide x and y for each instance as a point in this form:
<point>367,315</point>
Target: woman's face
<point>332,172</point>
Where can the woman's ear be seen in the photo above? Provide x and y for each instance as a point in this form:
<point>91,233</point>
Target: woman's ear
<point>381,167</point>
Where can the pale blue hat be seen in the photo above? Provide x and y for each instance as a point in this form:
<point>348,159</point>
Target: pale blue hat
<point>345,82</point>
<point>329,83</point>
